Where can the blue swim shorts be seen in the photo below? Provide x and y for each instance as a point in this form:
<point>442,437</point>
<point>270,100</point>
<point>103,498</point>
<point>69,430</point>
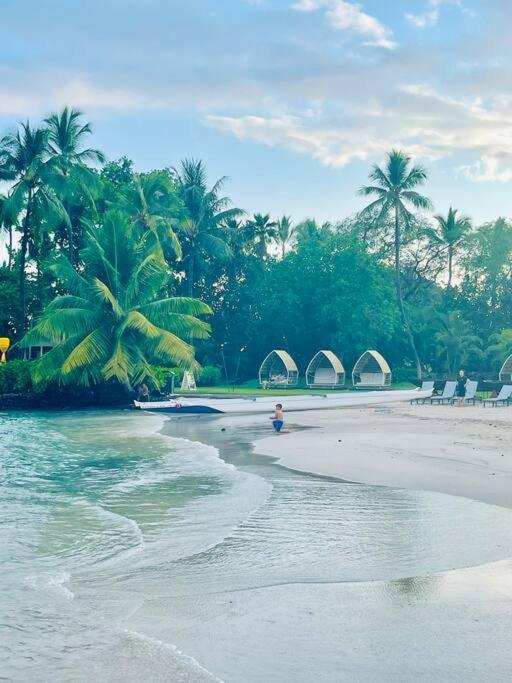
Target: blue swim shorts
<point>278,425</point>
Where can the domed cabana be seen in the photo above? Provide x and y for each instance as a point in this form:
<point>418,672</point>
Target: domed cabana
<point>371,370</point>
<point>325,370</point>
<point>279,370</point>
<point>506,371</point>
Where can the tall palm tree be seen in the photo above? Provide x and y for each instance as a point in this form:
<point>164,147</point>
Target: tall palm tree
<point>452,230</point>
<point>7,224</point>
<point>112,323</point>
<point>69,158</point>
<point>260,231</point>
<point>285,232</point>
<point>203,229</point>
<point>24,159</point>
<point>394,188</point>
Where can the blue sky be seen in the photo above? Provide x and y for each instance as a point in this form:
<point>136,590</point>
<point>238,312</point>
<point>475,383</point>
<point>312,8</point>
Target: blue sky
<point>292,99</point>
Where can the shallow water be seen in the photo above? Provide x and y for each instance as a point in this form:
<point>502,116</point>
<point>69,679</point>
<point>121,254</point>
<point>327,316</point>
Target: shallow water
<point>117,542</point>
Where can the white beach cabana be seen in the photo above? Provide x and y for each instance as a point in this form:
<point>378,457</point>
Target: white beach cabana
<point>325,370</point>
<point>506,371</point>
<point>371,370</point>
<point>278,370</point>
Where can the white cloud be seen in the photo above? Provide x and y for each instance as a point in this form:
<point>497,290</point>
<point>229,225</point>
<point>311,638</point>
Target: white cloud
<point>431,15</point>
<point>349,16</point>
<point>426,123</point>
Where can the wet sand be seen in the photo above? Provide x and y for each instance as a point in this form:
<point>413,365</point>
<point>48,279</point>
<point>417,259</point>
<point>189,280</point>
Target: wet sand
<point>461,451</point>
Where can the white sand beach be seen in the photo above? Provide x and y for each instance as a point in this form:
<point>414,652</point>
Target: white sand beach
<point>461,451</point>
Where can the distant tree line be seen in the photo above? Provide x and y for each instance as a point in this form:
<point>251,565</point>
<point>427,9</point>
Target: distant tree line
<point>123,270</point>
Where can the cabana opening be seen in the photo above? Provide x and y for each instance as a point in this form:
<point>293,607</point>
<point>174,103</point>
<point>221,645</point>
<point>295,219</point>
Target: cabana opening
<point>278,370</point>
<point>371,370</point>
<point>325,370</point>
<point>506,371</point>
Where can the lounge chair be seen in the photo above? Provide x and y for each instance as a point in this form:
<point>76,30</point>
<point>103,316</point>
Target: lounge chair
<point>447,395</point>
<point>471,387</point>
<point>502,398</point>
<point>425,386</point>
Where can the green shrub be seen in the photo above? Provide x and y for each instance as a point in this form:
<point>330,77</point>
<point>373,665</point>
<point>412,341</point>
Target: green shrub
<point>209,376</point>
<point>402,375</point>
<point>15,377</point>
<point>164,377</point>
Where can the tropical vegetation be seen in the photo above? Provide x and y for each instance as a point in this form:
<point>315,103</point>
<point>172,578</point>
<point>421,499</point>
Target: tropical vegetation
<point>135,276</point>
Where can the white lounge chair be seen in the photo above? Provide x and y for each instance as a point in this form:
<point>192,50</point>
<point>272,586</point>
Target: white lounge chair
<point>447,395</point>
<point>425,386</point>
<point>471,387</point>
<point>501,399</point>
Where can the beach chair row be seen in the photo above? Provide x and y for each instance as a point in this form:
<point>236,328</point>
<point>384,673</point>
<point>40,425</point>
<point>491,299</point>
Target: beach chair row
<point>449,395</point>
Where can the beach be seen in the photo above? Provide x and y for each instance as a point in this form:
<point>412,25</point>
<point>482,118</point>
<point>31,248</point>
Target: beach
<point>460,451</point>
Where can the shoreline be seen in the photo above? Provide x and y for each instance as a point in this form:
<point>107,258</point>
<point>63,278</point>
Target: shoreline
<point>463,452</point>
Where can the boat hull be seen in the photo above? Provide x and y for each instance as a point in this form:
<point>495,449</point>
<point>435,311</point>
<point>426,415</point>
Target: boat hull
<point>266,404</point>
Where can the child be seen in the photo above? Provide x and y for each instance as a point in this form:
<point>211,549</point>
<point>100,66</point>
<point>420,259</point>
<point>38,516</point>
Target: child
<point>278,418</point>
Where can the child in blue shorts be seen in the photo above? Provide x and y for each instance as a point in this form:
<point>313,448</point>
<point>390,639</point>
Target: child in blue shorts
<point>278,418</point>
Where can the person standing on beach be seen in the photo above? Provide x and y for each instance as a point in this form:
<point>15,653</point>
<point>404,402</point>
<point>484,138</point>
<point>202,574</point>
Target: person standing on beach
<point>462,380</point>
<point>278,418</point>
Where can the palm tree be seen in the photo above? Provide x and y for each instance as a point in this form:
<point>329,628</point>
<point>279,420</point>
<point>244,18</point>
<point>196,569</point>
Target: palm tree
<point>203,229</point>
<point>309,229</point>
<point>457,343</point>
<point>152,203</point>
<point>112,323</point>
<point>69,159</point>
<point>24,159</point>
<point>260,230</point>
<point>452,231</point>
<point>394,188</point>
<point>285,232</point>
<point>7,224</point>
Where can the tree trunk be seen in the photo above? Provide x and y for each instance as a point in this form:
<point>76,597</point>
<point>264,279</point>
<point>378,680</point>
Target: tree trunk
<point>23,259</point>
<point>283,249</point>
<point>9,263</point>
<point>450,263</point>
<point>399,297</point>
<point>189,275</point>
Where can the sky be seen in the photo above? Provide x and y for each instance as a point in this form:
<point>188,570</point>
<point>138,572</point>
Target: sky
<point>293,100</point>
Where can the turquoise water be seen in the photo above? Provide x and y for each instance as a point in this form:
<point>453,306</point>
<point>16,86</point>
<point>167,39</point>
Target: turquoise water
<point>116,543</point>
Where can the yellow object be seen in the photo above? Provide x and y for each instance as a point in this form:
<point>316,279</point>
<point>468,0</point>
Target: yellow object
<point>5,342</point>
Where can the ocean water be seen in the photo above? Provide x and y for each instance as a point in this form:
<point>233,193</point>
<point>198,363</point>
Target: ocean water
<point>130,555</point>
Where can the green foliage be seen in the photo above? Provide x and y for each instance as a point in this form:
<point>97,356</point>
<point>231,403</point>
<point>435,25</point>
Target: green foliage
<point>164,376</point>
<point>112,323</point>
<point>15,377</point>
<point>100,259</point>
<point>501,346</point>
<point>209,376</point>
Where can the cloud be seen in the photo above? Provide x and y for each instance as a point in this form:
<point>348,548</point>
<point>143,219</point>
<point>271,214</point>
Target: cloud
<point>349,16</point>
<point>426,123</point>
<point>431,15</point>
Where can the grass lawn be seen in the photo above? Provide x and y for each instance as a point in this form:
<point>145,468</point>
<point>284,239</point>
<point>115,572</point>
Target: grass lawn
<point>252,388</point>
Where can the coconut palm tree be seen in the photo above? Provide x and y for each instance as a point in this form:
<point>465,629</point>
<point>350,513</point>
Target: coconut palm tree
<point>7,224</point>
<point>152,203</point>
<point>202,230</point>
<point>457,343</point>
<point>394,188</point>
<point>24,160</point>
<point>260,230</point>
<point>285,233</point>
<point>452,230</point>
<point>112,323</point>
<point>69,158</point>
